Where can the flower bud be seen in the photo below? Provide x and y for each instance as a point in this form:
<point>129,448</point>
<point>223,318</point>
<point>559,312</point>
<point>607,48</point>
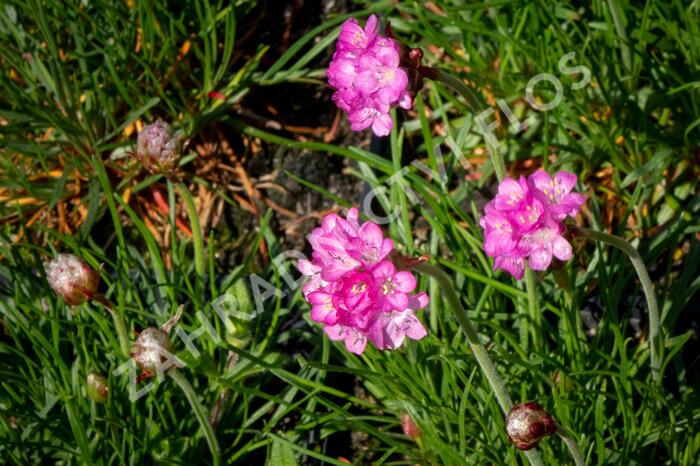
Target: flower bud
<point>410,428</point>
<point>152,350</point>
<point>158,147</point>
<point>527,424</point>
<point>97,387</point>
<point>72,279</point>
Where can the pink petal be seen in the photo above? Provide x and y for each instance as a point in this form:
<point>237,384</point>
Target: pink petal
<point>352,218</point>
<point>540,179</point>
<point>371,234</point>
<point>319,297</point>
<point>510,193</point>
<point>395,334</point>
<point>335,332</point>
<point>513,265</point>
<point>404,281</point>
<point>386,248</point>
<point>397,302</point>
<point>561,248</point>
<point>565,181</point>
<point>540,258</point>
<point>324,313</point>
<point>307,268</point>
<point>418,301</point>
<point>498,242</point>
<point>355,342</point>
<point>382,124</point>
<point>361,118</point>
<point>367,82</point>
<point>405,101</point>
<point>387,52</point>
<point>341,73</point>
<point>413,327</point>
<point>371,26</point>
<point>383,270</point>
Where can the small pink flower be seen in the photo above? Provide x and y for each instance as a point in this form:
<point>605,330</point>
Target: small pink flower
<point>371,113</point>
<point>392,286</point>
<point>513,264</point>
<point>500,236</point>
<point>525,221</point>
<point>355,292</point>
<point>370,246</point>
<point>544,243</point>
<point>355,341</point>
<point>366,73</point>
<point>353,37</point>
<point>557,192</point>
<point>389,330</point>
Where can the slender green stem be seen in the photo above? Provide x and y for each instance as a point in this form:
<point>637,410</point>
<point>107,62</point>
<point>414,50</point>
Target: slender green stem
<point>119,323</point>
<point>570,442</point>
<point>194,225</point>
<point>482,358</point>
<point>655,337</point>
<point>533,308</point>
<point>458,85</point>
<point>198,409</point>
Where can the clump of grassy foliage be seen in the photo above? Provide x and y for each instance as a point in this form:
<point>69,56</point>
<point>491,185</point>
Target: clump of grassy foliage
<point>78,79</point>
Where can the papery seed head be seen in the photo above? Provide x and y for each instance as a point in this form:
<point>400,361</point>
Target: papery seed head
<point>97,387</point>
<point>152,349</point>
<point>71,278</point>
<point>159,145</point>
<point>527,424</point>
<point>410,428</point>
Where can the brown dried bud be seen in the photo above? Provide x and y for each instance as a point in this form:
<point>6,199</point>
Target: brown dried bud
<point>527,424</point>
<point>159,148</point>
<point>72,279</point>
<point>410,428</point>
<point>97,387</point>
<point>153,351</point>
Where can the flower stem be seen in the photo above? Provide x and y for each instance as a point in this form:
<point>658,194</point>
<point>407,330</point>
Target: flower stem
<point>482,358</point>
<point>189,392</point>
<point>194,225</point>
<point>570,442</point>
<point>655,336</point>
<point>119,323</point>
<point>533,308</point>
<point>458,85</point>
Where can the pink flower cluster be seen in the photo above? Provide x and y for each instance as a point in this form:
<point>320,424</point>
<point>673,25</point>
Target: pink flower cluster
<point>367,77</point>
<point>525,221</point>
<point>355,291</point>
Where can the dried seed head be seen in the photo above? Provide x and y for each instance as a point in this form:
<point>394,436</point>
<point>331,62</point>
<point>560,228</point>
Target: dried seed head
<point>410,428</point>
<point>158,147</point>
<point>71,278</point>
<point>97,387</point>
<point>153,351</point>
<point>527,424</point>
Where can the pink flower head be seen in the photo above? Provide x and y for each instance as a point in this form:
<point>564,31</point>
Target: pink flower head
<point>355,291</point>
<point>366,73</point>
<point>525,221</point>
<point>557,192</point>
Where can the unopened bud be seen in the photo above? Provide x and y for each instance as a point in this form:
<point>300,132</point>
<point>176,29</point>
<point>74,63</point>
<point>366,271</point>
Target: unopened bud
<point>410,428</point>
<point>97,387</point>
<point>158,147</point>
<point>152,349</point>
<point>527,424</point>
<point>72,279</point>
